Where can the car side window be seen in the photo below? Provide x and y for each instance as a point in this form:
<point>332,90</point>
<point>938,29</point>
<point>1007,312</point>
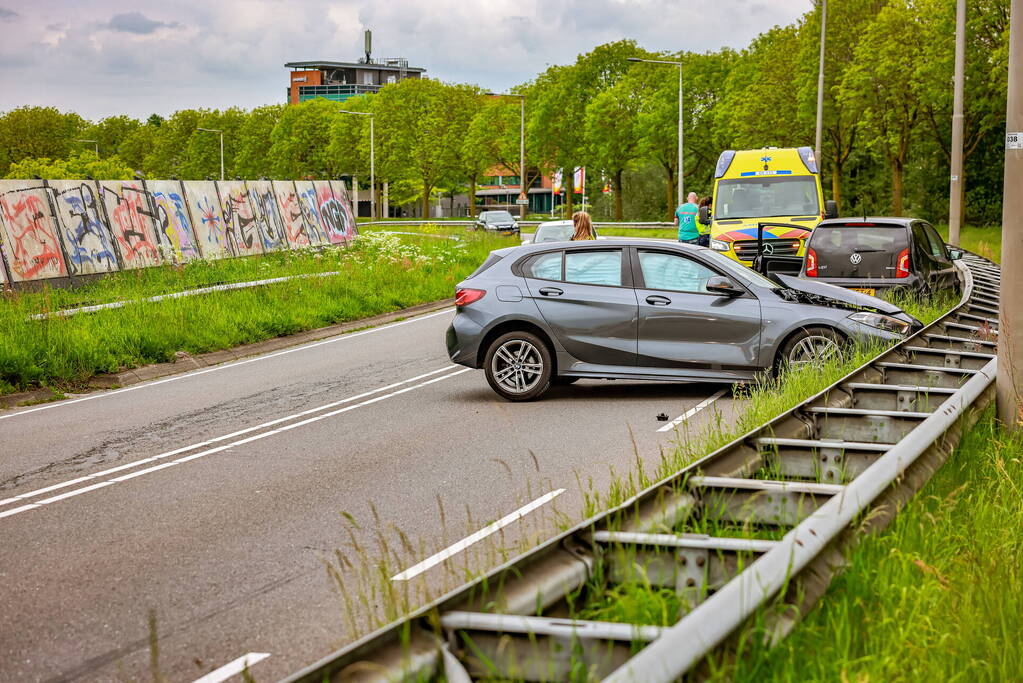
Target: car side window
<point>921,244</point>
<point>544,266</point>
<point>937,245</point>
<point>673,272</point>
<point>594,267</point>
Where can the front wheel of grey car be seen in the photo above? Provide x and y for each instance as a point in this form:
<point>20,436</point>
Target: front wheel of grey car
<point>518,366</point>
<point>812,346</point>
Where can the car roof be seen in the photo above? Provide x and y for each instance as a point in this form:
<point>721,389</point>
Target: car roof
<point>904,221</point>
<point>557,223</point>
<point>602,244</point>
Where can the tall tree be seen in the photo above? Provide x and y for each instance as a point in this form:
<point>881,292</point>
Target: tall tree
<point>252,158</point>
<point>202,151</point>
<point>301,139</point>
<point>37,132</point>
<point>166,158</point>
<point>110,132</point>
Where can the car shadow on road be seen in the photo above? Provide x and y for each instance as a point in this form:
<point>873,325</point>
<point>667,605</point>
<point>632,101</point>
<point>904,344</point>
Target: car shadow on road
<point>603,390</point>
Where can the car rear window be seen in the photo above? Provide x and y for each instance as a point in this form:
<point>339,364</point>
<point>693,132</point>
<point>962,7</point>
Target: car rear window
<point>491,260</point>
<point>856,251</point>
<point>554,233</point>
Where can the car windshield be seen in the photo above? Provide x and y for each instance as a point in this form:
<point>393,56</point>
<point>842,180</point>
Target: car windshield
<point>497,217</point>
<point>735,268</point>
<point>764,196</point>
<point>554,232</point>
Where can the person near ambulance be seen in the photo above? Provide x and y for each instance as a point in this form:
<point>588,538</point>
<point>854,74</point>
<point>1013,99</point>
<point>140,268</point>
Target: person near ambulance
<point>685,220</point>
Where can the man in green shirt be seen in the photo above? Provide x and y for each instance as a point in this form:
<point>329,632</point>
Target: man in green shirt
<point>685,220</point>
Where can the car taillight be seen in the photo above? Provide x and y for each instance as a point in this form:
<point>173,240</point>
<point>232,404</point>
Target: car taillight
<point>811,262</point>
<point>464,297</point>
<point>902,264</point>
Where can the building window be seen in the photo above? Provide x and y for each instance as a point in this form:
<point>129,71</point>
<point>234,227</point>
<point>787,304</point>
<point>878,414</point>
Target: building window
<point>367,79</point>
<point>390,79</point>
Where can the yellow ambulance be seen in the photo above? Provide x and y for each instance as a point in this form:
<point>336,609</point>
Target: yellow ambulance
<point>775,185</point>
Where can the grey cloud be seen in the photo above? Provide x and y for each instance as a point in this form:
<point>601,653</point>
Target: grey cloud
<point>8,14</point>
<point>137,23</point>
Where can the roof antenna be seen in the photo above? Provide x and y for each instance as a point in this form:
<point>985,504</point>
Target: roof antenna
<point>368,37</point>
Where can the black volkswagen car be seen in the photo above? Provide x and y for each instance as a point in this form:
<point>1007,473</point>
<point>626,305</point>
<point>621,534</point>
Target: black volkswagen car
<point>872,255</point>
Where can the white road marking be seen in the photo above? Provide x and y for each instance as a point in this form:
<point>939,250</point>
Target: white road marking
<point>185,449</point>
<point>436,559</point>
<point>216,368</point>
<point>218,449</point>
<point>232,668</point>
<point>692,411</point>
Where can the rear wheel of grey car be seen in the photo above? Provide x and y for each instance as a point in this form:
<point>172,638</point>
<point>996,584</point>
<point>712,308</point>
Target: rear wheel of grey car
<point>518,366</point>
<point>811,346</point>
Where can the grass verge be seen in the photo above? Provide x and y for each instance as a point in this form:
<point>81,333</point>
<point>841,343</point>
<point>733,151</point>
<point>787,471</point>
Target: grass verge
<point>378,273</point>
<point>939,596</point>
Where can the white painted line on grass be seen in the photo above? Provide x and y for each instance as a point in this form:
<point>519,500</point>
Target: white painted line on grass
<point>234,364</point>
<point>185,449</point>
<point>692,411</point>
<point>434,560</point>
<point>233,668</point>
<point>218,449</point>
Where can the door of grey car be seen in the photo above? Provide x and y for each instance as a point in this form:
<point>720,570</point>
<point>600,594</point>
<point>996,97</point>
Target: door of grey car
<point>585,296</point>
<point>944,270</point>
<point>682,325</point>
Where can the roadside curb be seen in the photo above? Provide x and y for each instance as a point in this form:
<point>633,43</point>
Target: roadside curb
<point>184,362</point>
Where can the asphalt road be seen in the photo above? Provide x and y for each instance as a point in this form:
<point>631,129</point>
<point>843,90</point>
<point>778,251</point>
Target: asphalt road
<point>229,483</point>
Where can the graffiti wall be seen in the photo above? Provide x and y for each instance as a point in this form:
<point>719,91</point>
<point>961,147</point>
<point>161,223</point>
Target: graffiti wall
<point>31,232</point>
<point>67,228</point>
<point>88,242</point>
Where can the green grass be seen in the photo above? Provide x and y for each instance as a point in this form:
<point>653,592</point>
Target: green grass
<point>424,228</point>
<point>377,274</point>
<point>668,233</point>
<point>939,596</point>
<point>984,241</point>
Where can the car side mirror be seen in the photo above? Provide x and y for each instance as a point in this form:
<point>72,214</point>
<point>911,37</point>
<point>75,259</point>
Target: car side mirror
<point>831,209</point>
<point>723,286</point>
<point>704,215</point>
<point>955,254</point>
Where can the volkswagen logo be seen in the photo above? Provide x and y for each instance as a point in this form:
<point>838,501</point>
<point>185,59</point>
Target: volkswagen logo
<point>768,249</point>
<point>855,259</point>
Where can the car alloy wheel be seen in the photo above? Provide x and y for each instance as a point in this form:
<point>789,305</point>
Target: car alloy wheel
<point>517,366</point>
<point>813,349</point>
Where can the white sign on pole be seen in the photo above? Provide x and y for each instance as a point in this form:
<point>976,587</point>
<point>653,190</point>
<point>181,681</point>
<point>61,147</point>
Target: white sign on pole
<point>1014,141</point>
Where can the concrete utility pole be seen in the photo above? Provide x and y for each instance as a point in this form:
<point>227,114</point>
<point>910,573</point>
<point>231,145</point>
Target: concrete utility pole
<point>820,87</point>
<point>681,191</point>
<point>955,190</point>
<point>1010,338</point>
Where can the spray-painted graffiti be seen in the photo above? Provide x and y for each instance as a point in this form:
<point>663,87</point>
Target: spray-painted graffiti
<point>242,231</point>
<point>30,234</point>
<point>264,206</point>
<point>131,219</point>
<point>88,241</point>
<point>173,225</point>
<point>335,214</point>
<point>310,207</point>
<point>300,233</point>
<point>207,219</point>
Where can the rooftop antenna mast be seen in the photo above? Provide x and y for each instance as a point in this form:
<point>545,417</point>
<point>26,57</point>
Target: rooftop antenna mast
<point>368,35</point>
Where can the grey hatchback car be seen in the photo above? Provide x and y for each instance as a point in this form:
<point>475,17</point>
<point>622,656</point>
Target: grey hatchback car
<point>550,313</point>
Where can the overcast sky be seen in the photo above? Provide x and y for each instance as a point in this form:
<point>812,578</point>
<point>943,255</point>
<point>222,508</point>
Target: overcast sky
<point>104,57</point>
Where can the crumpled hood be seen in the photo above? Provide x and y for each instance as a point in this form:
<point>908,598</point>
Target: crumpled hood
<point>837,293</point>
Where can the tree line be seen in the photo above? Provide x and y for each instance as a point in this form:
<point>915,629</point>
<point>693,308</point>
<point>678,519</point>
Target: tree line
<point>886,131</point>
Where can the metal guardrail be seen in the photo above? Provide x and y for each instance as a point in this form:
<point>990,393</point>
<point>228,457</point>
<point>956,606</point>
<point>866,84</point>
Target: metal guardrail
<point>856,451</point>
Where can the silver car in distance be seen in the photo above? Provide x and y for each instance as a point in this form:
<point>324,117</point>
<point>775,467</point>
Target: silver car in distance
<point>547,313</point>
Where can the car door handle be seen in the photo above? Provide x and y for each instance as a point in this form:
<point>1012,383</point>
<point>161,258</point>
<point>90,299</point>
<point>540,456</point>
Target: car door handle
<point>658,300</point>
<point>551,291</point>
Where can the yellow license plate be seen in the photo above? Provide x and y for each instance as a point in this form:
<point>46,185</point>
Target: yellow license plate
<point>864,290</point>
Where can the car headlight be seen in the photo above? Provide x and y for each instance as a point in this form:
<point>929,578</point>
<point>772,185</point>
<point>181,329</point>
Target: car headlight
<point>881,322</point>
<point>718,245</point>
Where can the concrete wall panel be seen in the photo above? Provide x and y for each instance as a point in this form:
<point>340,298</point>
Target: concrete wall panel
<point>334,213</point>
<point>310,209</point>
<point>295,229</point>
<point>130,213</point>
<point>268,216</point>
<point>242,230</point>
<point>174,229</point>
<point>208,222</point>
<point>89,243</point>
<point>31,232</point>
<point>342,195</point>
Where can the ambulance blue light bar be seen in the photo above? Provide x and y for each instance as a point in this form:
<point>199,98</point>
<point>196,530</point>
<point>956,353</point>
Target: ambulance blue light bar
<point>724,161</point>
<point>807,155</point>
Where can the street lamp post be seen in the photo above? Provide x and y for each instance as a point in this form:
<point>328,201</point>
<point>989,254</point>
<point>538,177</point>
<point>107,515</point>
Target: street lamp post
<point>95,142</point>
<point>681,192</point>
<point>372,162</point>
<point>215,130</point>
<point>522,147</point>
<point>820,87</point>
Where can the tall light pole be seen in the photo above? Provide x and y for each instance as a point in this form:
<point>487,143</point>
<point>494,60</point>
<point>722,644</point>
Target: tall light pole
<point>216,130</point>
<point>955,189</point>
<point>820,86</point>
<point>681,192</point>
<point>372,162</point>
<point>1009,384</point>
<point>522,150</point>
<point>95,142</point>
